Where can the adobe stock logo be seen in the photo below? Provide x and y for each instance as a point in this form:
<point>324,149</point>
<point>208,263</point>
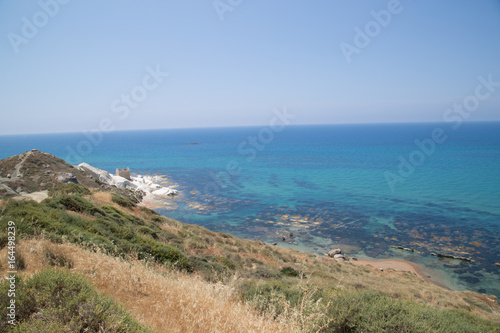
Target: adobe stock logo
<point>428,146</point>
<point>31,27</point>
<point>224,6</point>
<point>372,29</point>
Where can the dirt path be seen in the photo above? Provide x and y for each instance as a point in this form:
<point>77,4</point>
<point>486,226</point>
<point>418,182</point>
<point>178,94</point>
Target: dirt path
<point>37,196</point>
<point>17,168</point>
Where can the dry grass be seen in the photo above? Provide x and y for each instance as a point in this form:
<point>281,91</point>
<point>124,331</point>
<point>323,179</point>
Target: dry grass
<point>176,302</point>
<point>102,198</point>
<point>158,298</point>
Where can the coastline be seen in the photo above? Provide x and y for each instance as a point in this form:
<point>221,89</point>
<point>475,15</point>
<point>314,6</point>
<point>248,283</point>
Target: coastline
<point>152,201</point>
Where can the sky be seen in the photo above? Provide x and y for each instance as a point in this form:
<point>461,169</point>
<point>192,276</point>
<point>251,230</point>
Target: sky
<point>72,66</point>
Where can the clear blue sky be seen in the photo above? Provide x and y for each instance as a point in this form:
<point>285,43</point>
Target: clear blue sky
<point>233,72</point>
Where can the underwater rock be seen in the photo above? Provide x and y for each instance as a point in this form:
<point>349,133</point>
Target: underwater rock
<point>470,279</point>
<point>448,256</point>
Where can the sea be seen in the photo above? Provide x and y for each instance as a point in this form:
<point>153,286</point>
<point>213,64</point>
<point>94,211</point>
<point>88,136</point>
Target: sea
<point>432,188</point>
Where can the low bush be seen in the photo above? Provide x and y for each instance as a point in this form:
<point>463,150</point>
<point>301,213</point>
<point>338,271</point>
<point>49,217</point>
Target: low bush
<point>122,201</point>
<point>356,311</point>
<point>55,257</point>
<point>289,271</point>
<point>73,203</point>
<point>106,227</point>
<point>59,301</point>
<point>66,189</point>
<point>226,262</point>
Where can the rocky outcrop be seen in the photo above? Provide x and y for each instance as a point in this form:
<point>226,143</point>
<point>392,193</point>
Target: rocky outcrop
<point>402,248</point>
<point>141,183</point>
<point>100,175</point>
<point>35,171</point>
<point>448,256</point>
<point>67,177</point>
<point>334,252</point>
<point>339,257</point>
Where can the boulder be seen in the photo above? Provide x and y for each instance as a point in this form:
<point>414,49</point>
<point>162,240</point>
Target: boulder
<point>339,257</point>
<point>67,177</point>
<point>333,252</point>
<point>101,175</point>
<point>122,182</point>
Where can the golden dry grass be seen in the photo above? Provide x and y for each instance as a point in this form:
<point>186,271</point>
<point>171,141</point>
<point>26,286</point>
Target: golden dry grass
<point>169,301</point>
<point>161,299</point>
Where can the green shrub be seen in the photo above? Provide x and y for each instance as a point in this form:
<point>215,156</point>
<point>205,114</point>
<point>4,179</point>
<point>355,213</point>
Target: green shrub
<point>73,203</point>
<point>289,271</point>
<point>56,257</point>
<point>369,311</point>
<point>20,262</point>
<point>273,296</point>
<point>66,189</point>
<point>264,273</point>
<point>59,301</point>
<point>158,219</point>
<point>164,253</point>
<point>208,268</point>
<point>149,211</point>
<point>358,311</point>
<point>148,231</point>
<point>113,231</point>
<point>226,262</point>
<point>122,201</point>
<point>196,242</point>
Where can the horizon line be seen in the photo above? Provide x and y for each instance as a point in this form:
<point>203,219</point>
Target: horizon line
<point>253,126</point>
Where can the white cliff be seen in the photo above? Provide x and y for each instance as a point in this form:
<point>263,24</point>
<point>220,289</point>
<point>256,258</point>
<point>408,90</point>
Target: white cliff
<point>146,184</point>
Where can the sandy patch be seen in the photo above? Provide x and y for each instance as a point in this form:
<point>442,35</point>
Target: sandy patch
<point>37,196</point>
<point>397,265</point>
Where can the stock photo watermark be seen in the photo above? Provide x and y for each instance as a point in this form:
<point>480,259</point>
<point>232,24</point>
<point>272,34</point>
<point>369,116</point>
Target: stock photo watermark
<point>249,148</point>
<point>426,147</point>
<point>121,108</point>
<point>223,7</point>
<point>31,26</point>
<point>372,29</point>
<point>12,272</point>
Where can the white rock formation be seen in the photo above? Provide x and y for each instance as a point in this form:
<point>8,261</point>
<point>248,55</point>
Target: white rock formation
<point>146,184</point>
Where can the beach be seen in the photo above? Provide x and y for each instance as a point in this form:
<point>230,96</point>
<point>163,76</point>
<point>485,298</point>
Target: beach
<point>396,265</point>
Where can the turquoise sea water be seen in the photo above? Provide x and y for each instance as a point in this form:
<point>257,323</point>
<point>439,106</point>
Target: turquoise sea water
<point>360,187</point>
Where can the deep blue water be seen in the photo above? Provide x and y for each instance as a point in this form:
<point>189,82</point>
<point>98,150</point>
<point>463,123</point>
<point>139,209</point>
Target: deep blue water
<point>362,187</point>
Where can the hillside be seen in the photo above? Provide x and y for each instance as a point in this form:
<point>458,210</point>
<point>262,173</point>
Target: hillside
<point>132,269</point>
